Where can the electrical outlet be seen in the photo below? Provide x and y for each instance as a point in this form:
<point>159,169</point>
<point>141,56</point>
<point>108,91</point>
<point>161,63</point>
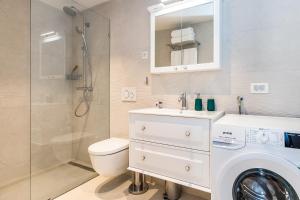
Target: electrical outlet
<point>259,88</point>
<point>128,94</point>
<point>145,55</point>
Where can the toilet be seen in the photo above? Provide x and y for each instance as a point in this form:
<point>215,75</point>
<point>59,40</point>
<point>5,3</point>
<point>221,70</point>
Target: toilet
<point>110,157</point>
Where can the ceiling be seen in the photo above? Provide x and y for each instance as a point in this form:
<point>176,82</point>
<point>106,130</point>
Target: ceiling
<point>90,3</point>
<point>80,4</point>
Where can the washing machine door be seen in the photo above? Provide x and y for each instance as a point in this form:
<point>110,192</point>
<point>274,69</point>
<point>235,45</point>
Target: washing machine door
<point>261,184</point>
<point>258,176</point>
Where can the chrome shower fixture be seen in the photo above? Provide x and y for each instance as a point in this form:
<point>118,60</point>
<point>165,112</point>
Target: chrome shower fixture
<point>87,88</point>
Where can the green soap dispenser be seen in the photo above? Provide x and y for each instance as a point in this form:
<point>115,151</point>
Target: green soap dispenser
<point>211,105</point>
<point>198,103</point>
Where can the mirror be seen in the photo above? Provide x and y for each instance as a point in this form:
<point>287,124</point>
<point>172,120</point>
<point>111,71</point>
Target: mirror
<point>165,51</point>
<point>185,37</point>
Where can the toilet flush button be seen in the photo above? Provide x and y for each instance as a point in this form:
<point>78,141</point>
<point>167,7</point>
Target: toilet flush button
<point>128,94</point>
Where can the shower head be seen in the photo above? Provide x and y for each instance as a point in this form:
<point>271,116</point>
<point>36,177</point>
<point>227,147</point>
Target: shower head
<point>70,10</point>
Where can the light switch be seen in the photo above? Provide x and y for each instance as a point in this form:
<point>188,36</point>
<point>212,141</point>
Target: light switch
<point>145,55</point>
<point>259,88</point>
<point>128,94</point>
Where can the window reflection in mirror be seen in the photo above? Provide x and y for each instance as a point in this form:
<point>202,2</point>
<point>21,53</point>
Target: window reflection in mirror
<point>185,37</point>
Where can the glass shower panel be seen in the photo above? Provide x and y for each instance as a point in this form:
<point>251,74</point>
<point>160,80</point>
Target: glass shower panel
<point>94,126</point>
<point>69,94</point>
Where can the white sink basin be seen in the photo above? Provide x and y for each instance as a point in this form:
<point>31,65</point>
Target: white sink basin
<point>180,113</point>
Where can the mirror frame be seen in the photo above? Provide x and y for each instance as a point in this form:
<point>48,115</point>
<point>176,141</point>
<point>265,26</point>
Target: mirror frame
<point>161,9</point>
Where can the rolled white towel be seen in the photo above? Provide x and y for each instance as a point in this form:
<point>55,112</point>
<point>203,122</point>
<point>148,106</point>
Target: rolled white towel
<point>176,58</point>
<point>190,56</point>
<point>184,38</point>
<point>175,40</point>
<point>185,31</point>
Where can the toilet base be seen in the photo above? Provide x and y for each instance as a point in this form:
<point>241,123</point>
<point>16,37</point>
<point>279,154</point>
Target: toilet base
<point>139,185</point>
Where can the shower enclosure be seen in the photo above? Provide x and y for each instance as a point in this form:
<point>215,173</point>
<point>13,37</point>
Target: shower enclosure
<point>68,86</point>
<point>70,94</point>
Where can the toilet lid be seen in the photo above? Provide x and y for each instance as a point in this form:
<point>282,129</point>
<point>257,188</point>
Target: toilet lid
<point>109,146</point>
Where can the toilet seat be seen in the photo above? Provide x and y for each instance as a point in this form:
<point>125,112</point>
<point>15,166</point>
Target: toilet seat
<point>108,147</point>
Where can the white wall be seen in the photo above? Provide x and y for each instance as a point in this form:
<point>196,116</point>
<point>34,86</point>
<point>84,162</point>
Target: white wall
<point>260,44</point>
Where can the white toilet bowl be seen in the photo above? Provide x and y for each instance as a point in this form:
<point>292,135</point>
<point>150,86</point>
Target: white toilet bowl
<point>110,157</point>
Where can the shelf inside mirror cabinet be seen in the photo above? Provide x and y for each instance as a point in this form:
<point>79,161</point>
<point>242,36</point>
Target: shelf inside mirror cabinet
<point>184,45</point>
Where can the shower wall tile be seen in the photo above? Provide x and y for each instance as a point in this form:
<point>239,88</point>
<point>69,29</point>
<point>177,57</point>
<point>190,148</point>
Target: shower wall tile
<point>129,37</point>
<point>256,48</point>
<point>14,97</point>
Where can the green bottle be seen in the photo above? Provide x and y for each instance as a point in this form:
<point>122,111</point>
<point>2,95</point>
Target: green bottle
<point>211,105</point>
<point>198,103</point>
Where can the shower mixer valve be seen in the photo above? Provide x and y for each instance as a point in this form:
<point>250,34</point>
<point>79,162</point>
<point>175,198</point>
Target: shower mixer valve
<point>90,89</point>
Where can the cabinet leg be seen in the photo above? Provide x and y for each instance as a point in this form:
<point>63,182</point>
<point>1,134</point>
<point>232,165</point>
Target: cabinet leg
<point>139,185</point>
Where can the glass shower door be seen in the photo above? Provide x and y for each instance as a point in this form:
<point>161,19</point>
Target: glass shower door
<point>69,94</point>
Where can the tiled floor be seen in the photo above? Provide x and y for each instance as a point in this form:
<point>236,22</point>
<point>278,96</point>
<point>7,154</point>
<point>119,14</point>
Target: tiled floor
<point>101,188</point>
<point>47,185</point>
<point>55,182</point>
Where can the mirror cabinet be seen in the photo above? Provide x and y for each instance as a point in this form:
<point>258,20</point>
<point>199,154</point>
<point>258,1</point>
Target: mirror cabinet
<point>185,36</point>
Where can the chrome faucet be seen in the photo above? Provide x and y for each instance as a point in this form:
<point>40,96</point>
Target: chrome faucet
<point>183,100</point>
<point>240,100</point>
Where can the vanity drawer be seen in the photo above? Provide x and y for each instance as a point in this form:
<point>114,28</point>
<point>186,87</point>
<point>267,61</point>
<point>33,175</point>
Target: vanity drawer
<point>178,131</point>
<point>185,165</point>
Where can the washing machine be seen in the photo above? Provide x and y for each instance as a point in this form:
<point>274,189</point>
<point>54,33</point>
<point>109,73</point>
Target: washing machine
<point>255,158</point>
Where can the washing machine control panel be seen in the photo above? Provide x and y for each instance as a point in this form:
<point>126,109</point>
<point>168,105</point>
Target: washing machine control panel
<point>292,140</point>
<point>265,137</point>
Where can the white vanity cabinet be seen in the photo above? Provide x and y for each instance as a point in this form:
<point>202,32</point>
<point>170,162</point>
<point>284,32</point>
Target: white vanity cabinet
<point>171,144</point>
<point>182,164</point>
<point>177,131</point>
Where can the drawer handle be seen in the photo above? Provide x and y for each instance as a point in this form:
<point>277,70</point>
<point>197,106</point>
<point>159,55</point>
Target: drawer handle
<point>143,128</point>
<point>143,158</point>
<point>187,168</point>
<point>187,133</point>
